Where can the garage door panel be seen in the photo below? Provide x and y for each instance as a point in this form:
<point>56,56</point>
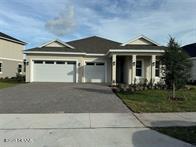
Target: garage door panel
<point>54,72</point>
<point>95,73</point>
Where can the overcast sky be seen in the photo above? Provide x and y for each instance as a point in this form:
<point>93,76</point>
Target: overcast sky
<point>38,21</point>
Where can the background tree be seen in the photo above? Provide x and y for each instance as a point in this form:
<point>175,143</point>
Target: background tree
<point>177,66</point>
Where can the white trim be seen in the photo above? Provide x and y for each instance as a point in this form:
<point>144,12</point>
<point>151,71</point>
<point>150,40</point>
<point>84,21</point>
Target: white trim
<point>63,53</point>
<point>47,59</point>
<point>94,60</point>
<point>1,58</point>
<point>135,51</point>
<point>139,37</point>
<point>23,43</point>
<point>56,40</point>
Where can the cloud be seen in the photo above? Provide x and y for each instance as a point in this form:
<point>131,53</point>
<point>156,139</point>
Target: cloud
<point>63,24</point>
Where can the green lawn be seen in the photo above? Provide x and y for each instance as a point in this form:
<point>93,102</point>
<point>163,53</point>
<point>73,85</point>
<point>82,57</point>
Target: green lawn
<point>187,134</point>
<point>7,84</point>
<point>156,101</point>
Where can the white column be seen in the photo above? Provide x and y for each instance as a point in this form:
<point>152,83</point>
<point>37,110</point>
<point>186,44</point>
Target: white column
<point>133,68</point>
<point>114,69</point>
<point>153,63</point>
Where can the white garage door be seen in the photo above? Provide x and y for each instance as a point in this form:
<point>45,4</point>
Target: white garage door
<point>95,72</point>
<point>54,71</point>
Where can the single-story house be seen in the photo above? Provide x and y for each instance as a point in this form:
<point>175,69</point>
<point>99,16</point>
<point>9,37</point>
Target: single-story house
<point>11,56</point>
<point>95,60</point>
<point>191,51</point>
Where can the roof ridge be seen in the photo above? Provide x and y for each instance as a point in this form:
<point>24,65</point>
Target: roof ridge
<point>89,37</point>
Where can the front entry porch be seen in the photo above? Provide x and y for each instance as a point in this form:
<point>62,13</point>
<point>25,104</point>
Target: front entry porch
<point>132,69</point>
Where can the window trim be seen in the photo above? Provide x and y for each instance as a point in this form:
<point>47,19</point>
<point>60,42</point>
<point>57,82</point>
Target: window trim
<point>142,68</point>
<point>19,68</point>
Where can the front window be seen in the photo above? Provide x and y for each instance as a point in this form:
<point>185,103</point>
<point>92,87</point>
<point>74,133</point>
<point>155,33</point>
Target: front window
<point>157,69</point>
<point>0,67</point>
<point>19,68</point>
<point>138,68</point>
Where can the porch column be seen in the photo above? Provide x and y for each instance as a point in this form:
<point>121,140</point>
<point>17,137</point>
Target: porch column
<point>133,68</point>
<point>153,64</point>
<point>114,69</point>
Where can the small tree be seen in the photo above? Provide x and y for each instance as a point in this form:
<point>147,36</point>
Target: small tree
<point>176,68</point>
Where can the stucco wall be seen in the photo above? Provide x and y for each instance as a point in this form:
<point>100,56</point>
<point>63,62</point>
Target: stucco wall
<point>11,50</point>
<point>9,68</point>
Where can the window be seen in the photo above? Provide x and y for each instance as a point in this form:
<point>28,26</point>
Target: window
<point>0,67</point>
<point>139,68</point>
<point>71,62</point>
<point>60,62</point>
<point>38,62</point>
<point>49,62</point>
<point>99,64</point>
<point>19,68</point>
<point>90,63</point>
<point>157,69</point>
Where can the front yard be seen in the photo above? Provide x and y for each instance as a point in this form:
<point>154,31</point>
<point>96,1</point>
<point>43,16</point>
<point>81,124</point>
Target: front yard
<point>6,84</point>
<point>156,100</point>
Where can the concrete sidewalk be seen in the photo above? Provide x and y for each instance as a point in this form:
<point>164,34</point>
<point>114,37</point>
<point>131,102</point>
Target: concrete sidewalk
<point>167,119</point>
<point>80,130</point>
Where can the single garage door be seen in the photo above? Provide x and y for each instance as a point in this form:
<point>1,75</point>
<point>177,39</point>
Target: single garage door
<point>95,72</point>
<point>54,71</point>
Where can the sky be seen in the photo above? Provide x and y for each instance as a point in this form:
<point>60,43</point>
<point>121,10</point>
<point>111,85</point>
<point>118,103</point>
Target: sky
<point>39,21</point>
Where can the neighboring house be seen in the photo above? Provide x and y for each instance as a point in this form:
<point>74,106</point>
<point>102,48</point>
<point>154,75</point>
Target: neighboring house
<point>11,56</point>
<point>191,50</point>
<point>95,60</point>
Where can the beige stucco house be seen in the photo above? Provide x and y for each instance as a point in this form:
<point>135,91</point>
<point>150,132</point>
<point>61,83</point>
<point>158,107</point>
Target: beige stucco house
<point>11,56</point>
<point>95,60</point>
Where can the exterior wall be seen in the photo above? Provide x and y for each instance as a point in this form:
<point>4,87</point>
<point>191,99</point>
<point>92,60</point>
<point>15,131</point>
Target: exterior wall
<point>11,50</point>
<point>11,54</point>
<point>9,68</point>
<point>81,60</point>
<point>55,44</point>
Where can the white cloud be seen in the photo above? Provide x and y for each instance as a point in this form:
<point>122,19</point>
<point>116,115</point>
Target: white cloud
<point>63,23</point>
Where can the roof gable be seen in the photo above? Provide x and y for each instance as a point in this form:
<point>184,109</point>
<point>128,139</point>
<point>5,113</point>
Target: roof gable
<point>141,40</point>
<point>56,43</point>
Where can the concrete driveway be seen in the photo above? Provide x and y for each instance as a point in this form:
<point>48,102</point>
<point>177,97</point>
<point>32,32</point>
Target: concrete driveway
<point>60,98</point>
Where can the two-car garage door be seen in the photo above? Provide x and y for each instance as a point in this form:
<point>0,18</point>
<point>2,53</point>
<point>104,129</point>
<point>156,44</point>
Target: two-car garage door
<point>65,71</point>
<point>54,71</point>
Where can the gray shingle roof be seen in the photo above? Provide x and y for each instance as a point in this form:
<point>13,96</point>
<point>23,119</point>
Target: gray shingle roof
<point>190,49</point>
<point>141,47</point>
<point>95,45</point>
<point>3,35</point>
<point>54,49</point>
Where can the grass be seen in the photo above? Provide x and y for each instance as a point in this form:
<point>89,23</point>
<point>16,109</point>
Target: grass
<point>187,134</point>
<point>157,101</point>
<point>6,84</point>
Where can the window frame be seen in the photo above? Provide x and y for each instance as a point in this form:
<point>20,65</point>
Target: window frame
<point>157,68</point>
<point>19,68</point>
<point>142,70</point>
